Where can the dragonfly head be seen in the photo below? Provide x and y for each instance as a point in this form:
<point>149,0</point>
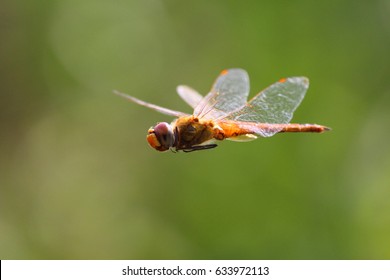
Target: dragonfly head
<point>161,137</point>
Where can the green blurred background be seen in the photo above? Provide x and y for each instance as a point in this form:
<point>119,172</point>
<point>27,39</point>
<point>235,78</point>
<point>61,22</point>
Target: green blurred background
<point>78,180</point>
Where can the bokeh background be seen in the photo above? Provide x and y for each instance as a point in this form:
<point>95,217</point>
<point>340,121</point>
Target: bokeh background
<point>78,180</point>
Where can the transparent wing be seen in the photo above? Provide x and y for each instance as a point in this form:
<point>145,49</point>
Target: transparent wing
<point>274,105</point>
<point>151,106</point>
<point>189,95</point>
<point>229,93</point>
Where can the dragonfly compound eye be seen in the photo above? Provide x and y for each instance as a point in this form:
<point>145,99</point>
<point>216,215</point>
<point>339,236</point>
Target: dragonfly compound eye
<point>161,137</point>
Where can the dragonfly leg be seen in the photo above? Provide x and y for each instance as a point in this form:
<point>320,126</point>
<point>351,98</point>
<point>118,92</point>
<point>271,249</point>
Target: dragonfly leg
<point>200,148</point>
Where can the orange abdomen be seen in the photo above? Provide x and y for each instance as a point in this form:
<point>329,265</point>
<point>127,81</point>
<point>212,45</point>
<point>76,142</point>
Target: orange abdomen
<point>234,129</point>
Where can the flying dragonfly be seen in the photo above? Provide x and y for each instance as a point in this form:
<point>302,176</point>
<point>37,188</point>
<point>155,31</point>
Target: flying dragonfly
<point>225,113</point>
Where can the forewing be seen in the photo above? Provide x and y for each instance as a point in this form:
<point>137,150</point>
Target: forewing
<point>229,93</point>
<point>189,95</point>
<point>151,106</point>
<point>274,105</point>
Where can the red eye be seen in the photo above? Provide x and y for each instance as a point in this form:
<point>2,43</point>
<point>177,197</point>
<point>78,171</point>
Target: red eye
<point>161,137</point>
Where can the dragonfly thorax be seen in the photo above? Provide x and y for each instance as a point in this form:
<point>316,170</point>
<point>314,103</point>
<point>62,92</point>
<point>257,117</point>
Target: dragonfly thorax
<point>161,137</point>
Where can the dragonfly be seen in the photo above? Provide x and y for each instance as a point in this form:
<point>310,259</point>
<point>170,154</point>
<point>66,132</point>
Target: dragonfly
<point>225,113</point>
